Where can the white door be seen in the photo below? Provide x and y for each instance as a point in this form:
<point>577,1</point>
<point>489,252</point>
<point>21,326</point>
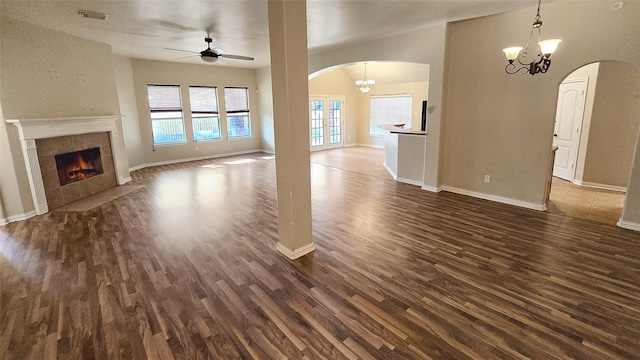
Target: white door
<point>566,135</point>
<point>326,116</point>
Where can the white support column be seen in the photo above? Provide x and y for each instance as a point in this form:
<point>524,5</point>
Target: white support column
<point>289,73</point>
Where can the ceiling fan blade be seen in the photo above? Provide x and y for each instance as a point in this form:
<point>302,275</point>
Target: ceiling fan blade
<point>189,51</point>
<point>217,50</point>
<point>237,57</point>
<point>184,57</point>
<point>221,61</point>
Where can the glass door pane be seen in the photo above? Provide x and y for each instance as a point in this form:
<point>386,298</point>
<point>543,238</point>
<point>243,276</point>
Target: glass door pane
<point>317,123</point>
<point>335,120</point>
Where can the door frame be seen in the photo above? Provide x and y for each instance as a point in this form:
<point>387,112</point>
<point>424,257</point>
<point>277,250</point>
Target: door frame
<point>327,144</point>
<point>585,81</point>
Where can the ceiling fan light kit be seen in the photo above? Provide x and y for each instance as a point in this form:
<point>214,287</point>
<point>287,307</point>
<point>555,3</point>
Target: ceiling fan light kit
<point>541,63</point>
<point>214,55</point>
<point>209,55</point>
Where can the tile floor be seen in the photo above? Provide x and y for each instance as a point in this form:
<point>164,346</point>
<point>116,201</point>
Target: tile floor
<point>604,206</point>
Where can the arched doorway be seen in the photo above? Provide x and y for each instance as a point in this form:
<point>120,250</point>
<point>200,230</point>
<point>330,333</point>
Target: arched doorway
<point>604,143</point>
<point>362,151</point>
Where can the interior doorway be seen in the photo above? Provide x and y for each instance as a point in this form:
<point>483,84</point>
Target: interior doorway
<point>566,135</point>
<point>597,170</point>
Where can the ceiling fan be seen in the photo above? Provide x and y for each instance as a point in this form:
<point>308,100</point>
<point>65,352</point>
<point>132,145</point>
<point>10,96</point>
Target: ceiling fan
<point>214,55</point>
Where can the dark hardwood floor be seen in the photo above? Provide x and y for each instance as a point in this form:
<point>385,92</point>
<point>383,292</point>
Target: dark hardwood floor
<point>186,268</point>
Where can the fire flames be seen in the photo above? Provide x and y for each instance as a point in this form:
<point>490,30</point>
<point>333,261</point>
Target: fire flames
<point>79,165</point>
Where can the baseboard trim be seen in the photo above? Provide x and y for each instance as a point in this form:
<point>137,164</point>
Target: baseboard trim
<point>500,199</point>
<point>393,175</point>
<point>297,253</point>
<point>205,157</point>
<point>628,225</point>
<point>137,167</point>
<point>19,217</point>
<point>603,186</point>
<point>432,188</point>
<point>409,181</point>
<point>369,145</point>
<point>271,152</point>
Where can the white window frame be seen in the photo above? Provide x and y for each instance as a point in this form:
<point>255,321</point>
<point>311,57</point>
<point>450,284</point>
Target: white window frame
<point>172,117</point>
<point>236,113</point>
<point>197,115</point>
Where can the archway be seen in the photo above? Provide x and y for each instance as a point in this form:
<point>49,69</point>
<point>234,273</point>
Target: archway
<point>607,139</point>
<point>392,78</point>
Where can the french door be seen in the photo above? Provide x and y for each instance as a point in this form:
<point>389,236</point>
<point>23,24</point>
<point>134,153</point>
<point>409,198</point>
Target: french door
<point>326,116</point>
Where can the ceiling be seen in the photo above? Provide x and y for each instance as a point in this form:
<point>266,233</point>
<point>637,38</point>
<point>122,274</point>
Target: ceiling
<point>144,28</point>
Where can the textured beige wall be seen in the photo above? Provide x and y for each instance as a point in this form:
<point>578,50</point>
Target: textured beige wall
<point>70,76</point>
<point>631,211</point>
<point>157,72</point>
<point>75,78</point>
<point>614,125</point>
<point>265,106</point>
<point>129,108</point>
<point>336,82</point>
<point>502,124</point>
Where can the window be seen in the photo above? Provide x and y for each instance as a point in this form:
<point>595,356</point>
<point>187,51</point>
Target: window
<point>166,114</point>
<point>237,103</point>
<point>394,109</point>
<point>204,113</point>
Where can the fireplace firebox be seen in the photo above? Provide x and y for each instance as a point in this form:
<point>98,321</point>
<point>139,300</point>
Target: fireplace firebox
<point>78,165</point>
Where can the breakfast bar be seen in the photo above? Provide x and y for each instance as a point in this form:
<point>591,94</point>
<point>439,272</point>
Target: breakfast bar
<point>404,153</point>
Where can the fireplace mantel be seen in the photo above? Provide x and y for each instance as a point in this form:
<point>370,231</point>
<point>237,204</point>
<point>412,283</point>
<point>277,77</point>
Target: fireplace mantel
<point>31,129</point>
<point>54,127</point>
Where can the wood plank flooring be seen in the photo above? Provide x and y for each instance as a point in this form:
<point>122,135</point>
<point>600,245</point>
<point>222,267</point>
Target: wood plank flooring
<point>186,268</point>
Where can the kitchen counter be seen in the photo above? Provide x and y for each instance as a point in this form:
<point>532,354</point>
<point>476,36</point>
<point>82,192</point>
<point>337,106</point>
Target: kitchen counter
<point>404,152</point>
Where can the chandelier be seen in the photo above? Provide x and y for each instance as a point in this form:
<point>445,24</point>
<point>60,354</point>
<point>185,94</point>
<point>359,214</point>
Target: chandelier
<point>365,85</point>
<point>541,63</point>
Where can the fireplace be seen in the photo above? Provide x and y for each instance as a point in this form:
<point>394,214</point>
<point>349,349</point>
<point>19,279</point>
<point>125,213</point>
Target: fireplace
<point>78,165</point>
<point>75,166</point>
<point>94,140</point>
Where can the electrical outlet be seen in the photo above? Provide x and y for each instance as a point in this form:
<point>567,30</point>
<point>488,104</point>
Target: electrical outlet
<point>487,178</point>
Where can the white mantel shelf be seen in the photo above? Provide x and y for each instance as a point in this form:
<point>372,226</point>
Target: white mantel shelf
<point>52,127</point>
<point>29,130</point>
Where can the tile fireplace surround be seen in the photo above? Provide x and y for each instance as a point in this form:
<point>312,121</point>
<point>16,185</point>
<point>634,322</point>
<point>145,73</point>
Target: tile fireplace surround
<point>68,130</point>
